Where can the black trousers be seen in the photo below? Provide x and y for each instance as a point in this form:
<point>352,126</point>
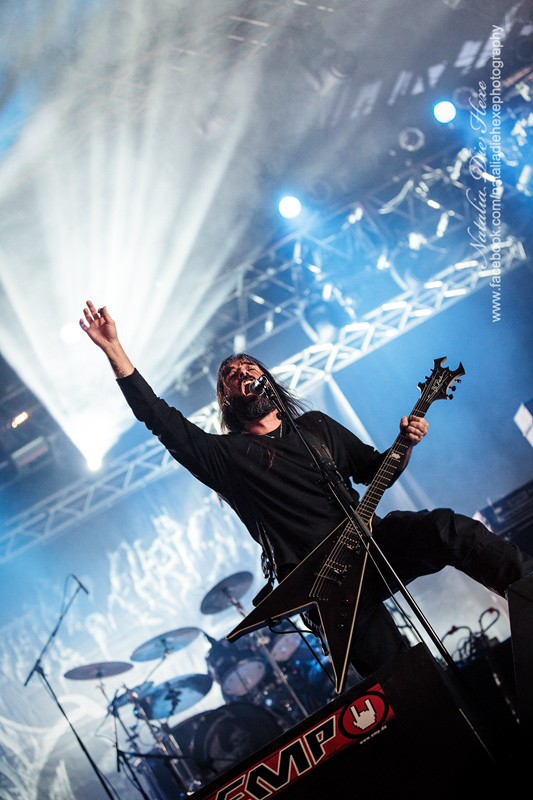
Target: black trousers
<point>422,543</point>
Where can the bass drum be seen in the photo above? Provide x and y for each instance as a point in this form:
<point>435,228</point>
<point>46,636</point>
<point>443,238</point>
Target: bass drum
<point>235,666</point>
<point>214,741</point>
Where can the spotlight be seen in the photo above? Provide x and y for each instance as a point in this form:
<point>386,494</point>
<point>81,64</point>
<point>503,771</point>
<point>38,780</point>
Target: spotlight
<point>239,343</point>
<point>382,262</point>
<point>442,227</point>
<point>416,240</point>
<point>19,419</point>
<point>269,323</point>
<point>327,292</point>
<point>94,463</point>
<point>89,435</point>
<point>411,139</point>
<point>290,207</point>
<point>355,215</point>
<point>444,111</point>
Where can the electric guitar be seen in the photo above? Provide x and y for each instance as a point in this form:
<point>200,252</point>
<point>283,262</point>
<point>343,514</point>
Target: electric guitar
<point>331,576</point>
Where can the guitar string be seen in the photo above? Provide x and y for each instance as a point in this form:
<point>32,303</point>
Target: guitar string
<point>342,548</point>
<point>345,541</point>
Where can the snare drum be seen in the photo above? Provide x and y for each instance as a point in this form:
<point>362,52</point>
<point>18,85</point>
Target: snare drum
<point>235,666</point>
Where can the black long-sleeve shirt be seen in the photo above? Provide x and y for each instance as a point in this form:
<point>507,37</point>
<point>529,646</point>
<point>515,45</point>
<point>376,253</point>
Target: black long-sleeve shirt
<point>280,496</point>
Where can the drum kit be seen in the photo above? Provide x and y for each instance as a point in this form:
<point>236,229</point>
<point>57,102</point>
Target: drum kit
<point>269,682</point>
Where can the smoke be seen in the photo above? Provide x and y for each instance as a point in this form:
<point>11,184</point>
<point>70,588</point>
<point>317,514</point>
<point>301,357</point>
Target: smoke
<point>117,189</point>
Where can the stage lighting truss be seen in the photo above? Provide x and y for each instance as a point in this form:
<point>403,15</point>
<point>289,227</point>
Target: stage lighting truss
<point>396,239</point>
<point>270,296</point>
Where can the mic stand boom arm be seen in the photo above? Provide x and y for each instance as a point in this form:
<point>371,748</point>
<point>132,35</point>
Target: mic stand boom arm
<point>37,666</point>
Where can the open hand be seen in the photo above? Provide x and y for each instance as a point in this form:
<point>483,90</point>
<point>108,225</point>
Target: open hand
<point>98,325</point>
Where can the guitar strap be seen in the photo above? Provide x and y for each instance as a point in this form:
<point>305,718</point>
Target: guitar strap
<point>323,455</point>
<point>268,563</point>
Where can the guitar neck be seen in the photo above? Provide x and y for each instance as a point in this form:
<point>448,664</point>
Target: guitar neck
<point>388,468</point>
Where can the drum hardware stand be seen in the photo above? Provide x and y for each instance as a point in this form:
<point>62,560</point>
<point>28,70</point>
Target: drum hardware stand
<point>268,656</point>
<point>121,754</point>
<point>168,652</point>
<point>37,668</point>
<point>186,780</point>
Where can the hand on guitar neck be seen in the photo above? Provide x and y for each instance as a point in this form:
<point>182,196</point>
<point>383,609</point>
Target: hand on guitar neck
<point>413,428</point>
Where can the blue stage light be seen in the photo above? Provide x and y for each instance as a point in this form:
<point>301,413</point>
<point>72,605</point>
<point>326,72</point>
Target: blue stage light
<point>444,111</point>
<point>290,207</point>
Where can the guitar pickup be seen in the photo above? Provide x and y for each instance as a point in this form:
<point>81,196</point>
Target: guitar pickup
<point>350,540</point>
<point>333,566</point>
<point>352,543</point>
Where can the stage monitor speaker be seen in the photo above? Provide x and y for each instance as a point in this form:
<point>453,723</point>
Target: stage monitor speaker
<point>407,729</point>
<point>511,517</point>
<point>520,597</point>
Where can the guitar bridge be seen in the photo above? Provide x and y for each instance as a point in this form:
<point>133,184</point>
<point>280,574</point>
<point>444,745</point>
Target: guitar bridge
<point>338,569</point>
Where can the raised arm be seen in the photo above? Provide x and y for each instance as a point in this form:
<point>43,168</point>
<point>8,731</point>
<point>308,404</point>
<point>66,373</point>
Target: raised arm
<point>101,329</point>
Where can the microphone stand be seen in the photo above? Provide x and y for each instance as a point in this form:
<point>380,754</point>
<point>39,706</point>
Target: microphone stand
<point>338,489</point>
<point>37,668</point>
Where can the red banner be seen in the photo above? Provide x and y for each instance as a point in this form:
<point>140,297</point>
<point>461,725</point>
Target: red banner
<point>354,723</point>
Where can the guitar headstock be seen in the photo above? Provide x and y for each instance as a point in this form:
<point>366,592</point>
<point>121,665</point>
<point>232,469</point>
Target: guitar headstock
<point>437,384</point>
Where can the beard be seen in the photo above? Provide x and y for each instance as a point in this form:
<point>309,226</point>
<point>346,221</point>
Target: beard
<point>247,409</point>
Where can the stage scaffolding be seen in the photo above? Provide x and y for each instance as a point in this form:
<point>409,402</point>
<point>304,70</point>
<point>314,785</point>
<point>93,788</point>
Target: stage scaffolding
<point>360,252</point>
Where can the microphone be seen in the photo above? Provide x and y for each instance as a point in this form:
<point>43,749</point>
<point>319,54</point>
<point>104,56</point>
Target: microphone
<point>258,386</point>
<point>80,584</point>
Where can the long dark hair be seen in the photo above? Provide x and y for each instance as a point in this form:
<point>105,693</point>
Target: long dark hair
<point>229,421</point>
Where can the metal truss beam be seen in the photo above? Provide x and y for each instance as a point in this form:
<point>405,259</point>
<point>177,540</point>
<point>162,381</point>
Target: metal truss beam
<point>363,250</point>
<point>310,367</point>
<point>364,244</point>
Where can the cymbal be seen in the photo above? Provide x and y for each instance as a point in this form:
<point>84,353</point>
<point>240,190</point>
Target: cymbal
<point>91,672</point>
<point>165,643</point>
<point>175,695</point>
<point>221,595</point>
<point>131,695</point>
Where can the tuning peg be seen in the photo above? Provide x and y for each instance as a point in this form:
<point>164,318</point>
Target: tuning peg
<point>450,396</point>
<point>453,388</point>
<point>458,380</point>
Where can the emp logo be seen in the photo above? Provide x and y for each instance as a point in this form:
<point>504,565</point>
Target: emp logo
<point>364,715</point>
